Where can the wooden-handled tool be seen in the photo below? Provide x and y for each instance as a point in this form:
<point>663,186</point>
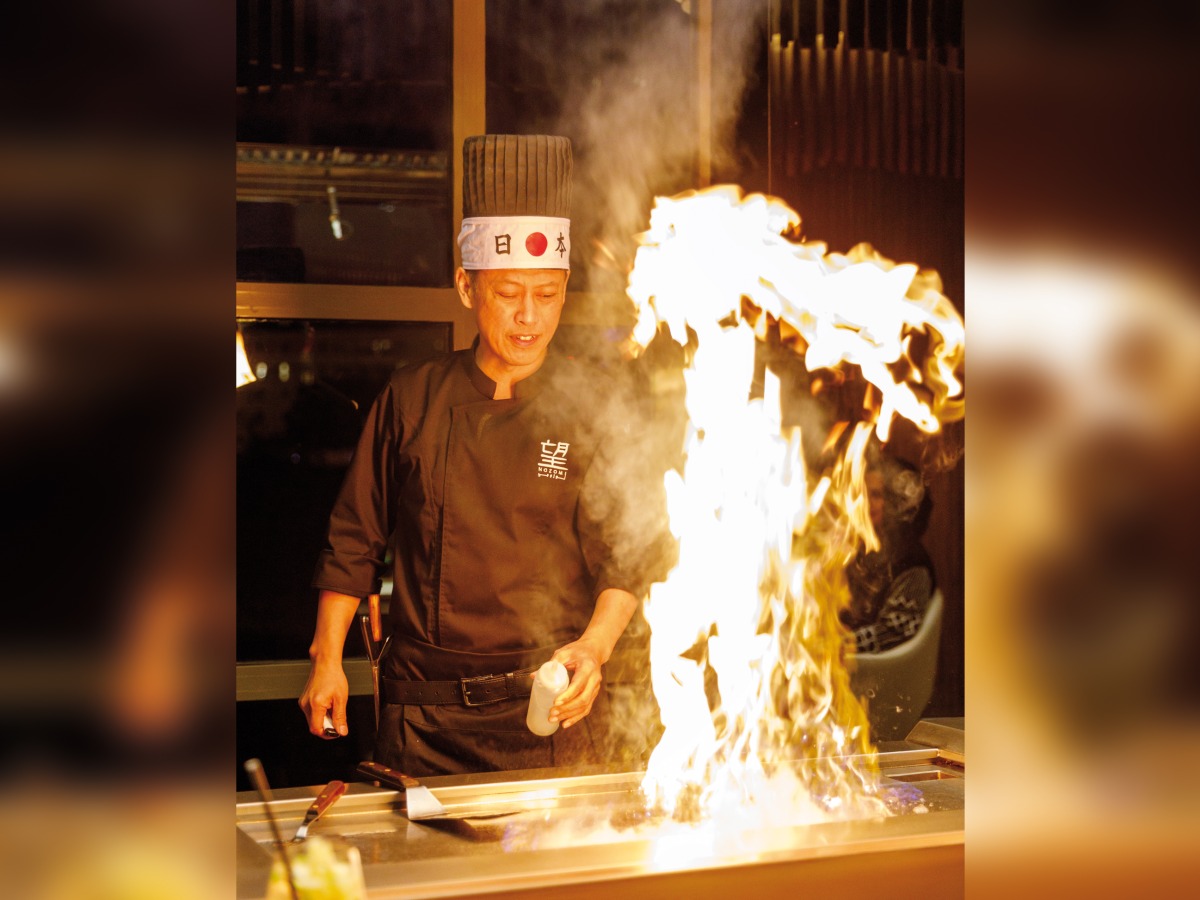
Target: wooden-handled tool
<point>376,620</point>
<point>324,800</point>
<point>418,800</point>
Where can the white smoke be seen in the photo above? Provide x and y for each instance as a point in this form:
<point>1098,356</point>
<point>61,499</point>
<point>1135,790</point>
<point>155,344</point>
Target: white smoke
<point>628,98</point>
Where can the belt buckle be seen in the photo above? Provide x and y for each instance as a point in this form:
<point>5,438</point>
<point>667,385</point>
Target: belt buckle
<point>464,685</point>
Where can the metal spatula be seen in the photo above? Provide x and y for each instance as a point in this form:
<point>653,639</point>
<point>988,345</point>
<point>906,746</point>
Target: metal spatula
<point>418,799</point>
<point>324,800</point>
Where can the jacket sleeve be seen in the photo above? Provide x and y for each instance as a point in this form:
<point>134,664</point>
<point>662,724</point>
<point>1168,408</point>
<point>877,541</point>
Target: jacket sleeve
<point>363,516</point>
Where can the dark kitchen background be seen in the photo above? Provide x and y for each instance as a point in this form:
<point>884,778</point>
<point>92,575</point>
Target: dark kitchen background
<point>350,119</point>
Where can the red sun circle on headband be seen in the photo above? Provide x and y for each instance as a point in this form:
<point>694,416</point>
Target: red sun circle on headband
<point>536,244</point>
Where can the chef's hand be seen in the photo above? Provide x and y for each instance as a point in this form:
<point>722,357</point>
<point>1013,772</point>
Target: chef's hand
<point>583,659</point>
<point>326,692</point>
<point>327,689</point>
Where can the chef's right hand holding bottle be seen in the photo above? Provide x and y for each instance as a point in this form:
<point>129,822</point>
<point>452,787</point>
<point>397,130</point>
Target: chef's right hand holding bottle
<point>550,681</point>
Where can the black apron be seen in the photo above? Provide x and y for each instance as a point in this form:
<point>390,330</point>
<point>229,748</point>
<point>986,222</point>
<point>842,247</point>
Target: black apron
<point>451,739</point>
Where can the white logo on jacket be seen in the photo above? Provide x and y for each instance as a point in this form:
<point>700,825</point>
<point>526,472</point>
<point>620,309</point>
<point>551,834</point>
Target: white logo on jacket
<point>553,463</point>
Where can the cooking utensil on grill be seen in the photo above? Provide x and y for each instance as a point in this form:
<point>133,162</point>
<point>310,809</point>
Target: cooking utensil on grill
<point>419,800</point>
<point>325,799</point>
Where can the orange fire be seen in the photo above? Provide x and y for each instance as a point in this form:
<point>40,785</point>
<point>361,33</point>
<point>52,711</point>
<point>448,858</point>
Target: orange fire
<point>750,612</point>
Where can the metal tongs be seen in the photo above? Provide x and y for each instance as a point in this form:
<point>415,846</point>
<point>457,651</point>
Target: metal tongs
<point>372,632</point>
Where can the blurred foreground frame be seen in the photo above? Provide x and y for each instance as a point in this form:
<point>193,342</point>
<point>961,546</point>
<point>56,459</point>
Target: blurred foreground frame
<point>115,466</point>
<point>115,285</point>
<point>116,477</point>
<point>1081,477</point>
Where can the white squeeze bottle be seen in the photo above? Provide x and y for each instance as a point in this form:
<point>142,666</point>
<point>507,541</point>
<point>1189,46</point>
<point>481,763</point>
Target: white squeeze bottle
<point>551,680</point>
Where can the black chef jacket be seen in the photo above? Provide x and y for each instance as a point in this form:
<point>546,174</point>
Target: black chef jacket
<point>509,518</point>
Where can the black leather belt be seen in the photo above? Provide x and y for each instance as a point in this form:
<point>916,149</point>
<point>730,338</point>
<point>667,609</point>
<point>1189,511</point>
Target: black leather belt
<point>476,691</point>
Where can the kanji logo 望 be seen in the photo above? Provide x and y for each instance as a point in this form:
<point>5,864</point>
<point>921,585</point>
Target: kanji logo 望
<point>553,463</point>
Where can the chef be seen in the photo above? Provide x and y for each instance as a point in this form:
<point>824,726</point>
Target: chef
<point>496,477</point>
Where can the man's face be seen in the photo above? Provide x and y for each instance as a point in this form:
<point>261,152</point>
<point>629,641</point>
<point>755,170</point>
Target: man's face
<point>517,312</point>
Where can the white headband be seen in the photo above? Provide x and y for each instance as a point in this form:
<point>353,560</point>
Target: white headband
<point>515,242</point>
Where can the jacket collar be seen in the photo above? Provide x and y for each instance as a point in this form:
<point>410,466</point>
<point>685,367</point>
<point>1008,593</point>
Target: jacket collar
<point>523,389</point>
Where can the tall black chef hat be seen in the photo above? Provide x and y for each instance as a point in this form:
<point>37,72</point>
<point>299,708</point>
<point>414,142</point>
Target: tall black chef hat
<point>516,202</point>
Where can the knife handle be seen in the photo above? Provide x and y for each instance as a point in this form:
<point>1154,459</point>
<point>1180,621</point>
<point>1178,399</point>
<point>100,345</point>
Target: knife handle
<point>376,619</point>
<point>325,799</point>
<point>384,775</point>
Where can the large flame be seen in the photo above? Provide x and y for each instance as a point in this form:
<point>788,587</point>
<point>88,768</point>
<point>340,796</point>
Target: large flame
<point>747,650</point>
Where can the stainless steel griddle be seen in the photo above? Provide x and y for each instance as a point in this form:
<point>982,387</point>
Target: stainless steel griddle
<point>558,833</point>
